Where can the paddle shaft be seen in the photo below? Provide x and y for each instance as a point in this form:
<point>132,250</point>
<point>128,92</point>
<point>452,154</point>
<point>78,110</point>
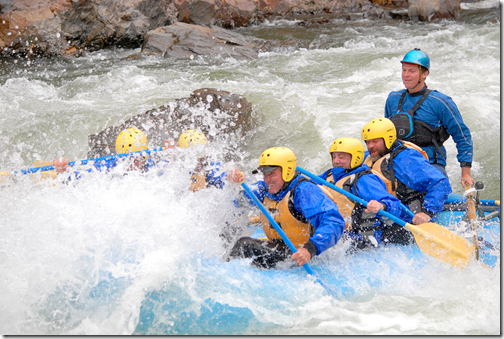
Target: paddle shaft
<point>282,234</point>
<point>350,196</point>
<point>471,211</point>
<point>431,238</point>
<point>85,161</point>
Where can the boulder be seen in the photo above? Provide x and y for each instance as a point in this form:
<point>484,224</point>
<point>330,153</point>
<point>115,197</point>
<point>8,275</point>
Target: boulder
<point>220,115</point>
<point>182,40</point>
<point>32,27</point>
<point>62,27</point>
<point>59,27</point>
<point>428,10</point>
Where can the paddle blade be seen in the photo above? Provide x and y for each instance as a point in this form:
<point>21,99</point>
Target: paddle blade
<point>442,243</point>
<point>4,176</point>
<point>40,176</point>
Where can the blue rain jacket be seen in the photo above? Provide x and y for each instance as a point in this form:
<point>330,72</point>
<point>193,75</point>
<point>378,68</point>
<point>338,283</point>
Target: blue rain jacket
<point>437,110</point>
<point>414,171</point>
<point>215,177</point>
<point>369,187</point>
<point>314,205</point>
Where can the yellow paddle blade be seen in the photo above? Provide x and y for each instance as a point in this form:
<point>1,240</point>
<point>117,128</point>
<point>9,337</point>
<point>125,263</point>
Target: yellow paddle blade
<point>40,176</point>
<point>442,243</point>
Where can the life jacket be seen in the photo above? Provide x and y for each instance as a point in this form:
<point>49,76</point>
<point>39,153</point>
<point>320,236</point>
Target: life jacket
<point>385,168</point>
<point>356,219</point>
<point>295,226</point>
<point>416,131</point>
<point>198,181</point>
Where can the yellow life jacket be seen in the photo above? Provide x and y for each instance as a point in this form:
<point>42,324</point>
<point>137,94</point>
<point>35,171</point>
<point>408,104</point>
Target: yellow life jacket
<point>345,205</point>
<point>376,167</point>
<point>198,181</point>
<point>299,232</point>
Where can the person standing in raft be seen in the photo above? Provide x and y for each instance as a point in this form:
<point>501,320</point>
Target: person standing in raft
<point>409,175</point>
<point>349,173</point>
<point>427,117</point>
<point>306,213</point>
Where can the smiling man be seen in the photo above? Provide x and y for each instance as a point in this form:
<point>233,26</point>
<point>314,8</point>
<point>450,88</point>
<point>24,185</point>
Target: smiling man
<point>307,215</point>
<point>410,177</point>
<point>365,227</point>
<point>428,117</point>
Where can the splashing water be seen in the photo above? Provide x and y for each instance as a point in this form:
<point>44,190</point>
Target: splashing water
<point>141,254</point>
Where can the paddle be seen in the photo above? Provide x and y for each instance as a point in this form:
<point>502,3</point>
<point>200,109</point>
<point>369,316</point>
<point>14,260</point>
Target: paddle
<point>471,211</point>
<point>283,235</point>
<point>82,162</point>
<point>432,238</point>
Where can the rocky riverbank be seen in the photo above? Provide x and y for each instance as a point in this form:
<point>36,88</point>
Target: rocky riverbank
<point>70,27</point>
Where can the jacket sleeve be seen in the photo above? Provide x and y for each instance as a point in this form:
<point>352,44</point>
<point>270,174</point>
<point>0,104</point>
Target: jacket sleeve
<point>258,189</point>
<point>216,177</point>
<point>392,103</point>
<point>322,213</point>
<point>452,120</point>
<point>413,170</point>
<point>371,187</point>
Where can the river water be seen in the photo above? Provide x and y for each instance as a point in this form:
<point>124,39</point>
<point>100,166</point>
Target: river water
<point>141,254</point>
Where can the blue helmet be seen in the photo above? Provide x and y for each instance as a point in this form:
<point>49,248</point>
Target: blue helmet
<point>417,57</point>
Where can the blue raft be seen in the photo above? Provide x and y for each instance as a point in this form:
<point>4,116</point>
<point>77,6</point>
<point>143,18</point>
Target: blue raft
<point>173,310</point>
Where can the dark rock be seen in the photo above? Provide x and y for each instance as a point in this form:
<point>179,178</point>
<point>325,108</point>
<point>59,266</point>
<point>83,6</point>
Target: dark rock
<point>220,115</point>
<point>182,40</point>
<point>429,10</point>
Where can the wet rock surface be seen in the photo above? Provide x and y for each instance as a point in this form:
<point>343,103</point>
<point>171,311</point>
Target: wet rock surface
<point>220,115</point>
<point>71,27</point>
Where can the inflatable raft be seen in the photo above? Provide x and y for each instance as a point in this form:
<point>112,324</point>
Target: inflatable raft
<point>174,309</point>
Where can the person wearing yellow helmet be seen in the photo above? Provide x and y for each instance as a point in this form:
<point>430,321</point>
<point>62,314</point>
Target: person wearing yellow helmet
<point>208,171</point>
<point>129,140</point>
<point>133,140</point>
<point>410,176</point>
<point>192,138</point>
<point>428,117</point>
<point>307,214</point>
<point>350,173</point>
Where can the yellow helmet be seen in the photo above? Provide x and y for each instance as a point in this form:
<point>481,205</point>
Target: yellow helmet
<point>191,137</point>
<point>131,140</point>
<point>280,156</point>
<point>352,146</point>
<point>380,128</point>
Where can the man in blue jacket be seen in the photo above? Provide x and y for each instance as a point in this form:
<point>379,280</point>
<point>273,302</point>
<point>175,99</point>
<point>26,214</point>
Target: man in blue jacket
<point>428,118</point>
<point>350,174</point>
<point>410,176</point>
<point>307,214</point>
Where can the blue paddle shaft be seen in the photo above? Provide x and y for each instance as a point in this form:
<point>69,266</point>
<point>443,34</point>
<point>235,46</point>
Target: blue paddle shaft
<point>283,235</point>
<point>274,223</point>
<point>350,195</point>
<point>84,162</point>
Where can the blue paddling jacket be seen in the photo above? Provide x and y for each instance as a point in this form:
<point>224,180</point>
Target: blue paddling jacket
<point>437,110</point>
<point>416,174</point>
<point>368,187</point>
<point>315,206</point>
